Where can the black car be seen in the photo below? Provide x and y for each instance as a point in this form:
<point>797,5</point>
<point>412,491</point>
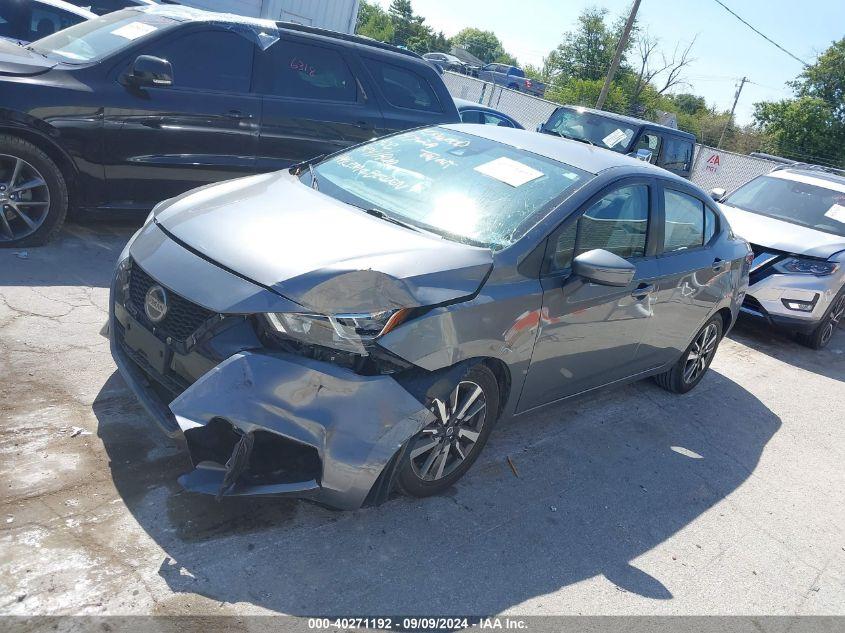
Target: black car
<point>660,145</point>
<point>136,106</point>
<point>101,7</point>
<point>472,112</point>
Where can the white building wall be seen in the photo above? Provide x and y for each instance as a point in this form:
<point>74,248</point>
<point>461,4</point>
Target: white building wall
<point>336,15</point>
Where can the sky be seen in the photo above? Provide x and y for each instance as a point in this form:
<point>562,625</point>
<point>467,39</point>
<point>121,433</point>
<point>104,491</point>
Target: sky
<point>725,49</point>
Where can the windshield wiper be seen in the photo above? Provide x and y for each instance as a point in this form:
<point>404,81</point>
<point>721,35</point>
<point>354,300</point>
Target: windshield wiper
<point>313,175</point>
<point>297,168</point>
<point>577,138</point>
<point>378,213</point>
<point>568,136</point>
<point>32,50</point>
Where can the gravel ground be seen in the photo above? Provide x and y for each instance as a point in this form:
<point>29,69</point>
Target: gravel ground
<point>727,500</point>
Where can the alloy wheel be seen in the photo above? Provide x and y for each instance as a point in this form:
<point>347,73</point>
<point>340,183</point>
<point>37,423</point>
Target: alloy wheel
<point>837,313</point>
<point>445,444</point>
<point>24,198</point>
<point>700,353</point>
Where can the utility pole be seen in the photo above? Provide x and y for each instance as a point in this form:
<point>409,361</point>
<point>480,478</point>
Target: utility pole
<point>617,56</point>
<point>730,118</point>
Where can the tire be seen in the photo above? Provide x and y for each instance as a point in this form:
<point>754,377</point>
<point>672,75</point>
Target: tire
<point>418,469</point>
<point>835,314</point>
<point>33,215</point>
<point>514,87</point>
<point>680,379</point>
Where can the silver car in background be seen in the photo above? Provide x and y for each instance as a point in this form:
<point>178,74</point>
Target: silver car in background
<point>794,218</point>
<point>359,324</point>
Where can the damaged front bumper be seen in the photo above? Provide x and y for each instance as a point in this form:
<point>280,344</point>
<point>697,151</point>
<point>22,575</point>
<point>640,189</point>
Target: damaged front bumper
<point>318,431</point>
<point>262,422</point>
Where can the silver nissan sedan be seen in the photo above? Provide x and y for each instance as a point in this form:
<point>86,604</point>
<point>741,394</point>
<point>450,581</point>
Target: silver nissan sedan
<point>357,324</point>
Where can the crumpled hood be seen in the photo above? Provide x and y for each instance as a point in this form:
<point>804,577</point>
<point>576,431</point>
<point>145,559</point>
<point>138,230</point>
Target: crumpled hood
<point>782,236</point>
<point>15,60</point>
<point>326,255</point>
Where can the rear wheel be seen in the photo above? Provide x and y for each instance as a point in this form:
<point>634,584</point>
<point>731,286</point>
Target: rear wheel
<point>821,336</point>
<point>442,452</point>
<point>691,367</point>
<point>33,194</point>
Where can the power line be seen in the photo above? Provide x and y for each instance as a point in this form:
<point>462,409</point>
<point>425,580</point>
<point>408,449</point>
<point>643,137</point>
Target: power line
<point>765,37</point>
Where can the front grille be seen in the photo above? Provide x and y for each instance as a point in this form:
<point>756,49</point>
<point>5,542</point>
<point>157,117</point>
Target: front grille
<point>183,317</point>
<point>172,382</point>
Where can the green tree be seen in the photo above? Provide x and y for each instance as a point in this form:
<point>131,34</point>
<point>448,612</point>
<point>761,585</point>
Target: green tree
<point>688,103</point>
<point>805,128</point>
<point>399,25</point>
<point>483,44</point>
<point>811,126</point>
<point>406,25</point>
<point>587,50</point>
<point>826,79</point>
<point>374,22</point>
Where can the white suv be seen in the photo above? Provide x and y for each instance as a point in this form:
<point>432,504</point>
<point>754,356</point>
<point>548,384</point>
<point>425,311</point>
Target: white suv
<point>794,218</point>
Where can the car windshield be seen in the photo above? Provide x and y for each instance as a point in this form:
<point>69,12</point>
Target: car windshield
<point>598,130</point>
<point>463,187</point>
<point>796,201</point>
<point>95,39</point>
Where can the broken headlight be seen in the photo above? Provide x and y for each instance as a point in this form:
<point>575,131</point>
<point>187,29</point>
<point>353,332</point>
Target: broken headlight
<point>804,266</point>
<point>349,332</point>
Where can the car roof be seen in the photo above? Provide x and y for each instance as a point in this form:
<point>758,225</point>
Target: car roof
<point>819,177</point>
<point>181,13</point>
<point>465,103</point>
<point>580,155</point>
<point>630,120</point>
<point>70,8</point>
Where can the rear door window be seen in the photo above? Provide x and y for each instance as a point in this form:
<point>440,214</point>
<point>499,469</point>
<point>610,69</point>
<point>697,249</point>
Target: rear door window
<point>404,88</point>
<point>677,154</point>
<point>208,60</point>
<point>684,224</point>
<point>298,70</point>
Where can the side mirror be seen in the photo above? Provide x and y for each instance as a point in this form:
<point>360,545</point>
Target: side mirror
<point>541,127</point>
<point>599,266</point>
<point>717,193</point>
<point>150,71</point>
<point>643,154</point>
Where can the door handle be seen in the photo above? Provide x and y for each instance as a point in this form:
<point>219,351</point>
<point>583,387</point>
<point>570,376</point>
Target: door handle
<point>642,291</point>
<point>237,115</point>
<point>362,125</point>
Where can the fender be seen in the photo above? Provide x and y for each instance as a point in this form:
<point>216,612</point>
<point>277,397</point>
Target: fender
<point>36,131</point>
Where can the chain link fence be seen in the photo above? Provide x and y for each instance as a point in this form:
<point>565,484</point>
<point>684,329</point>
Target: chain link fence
<point>711,167</point>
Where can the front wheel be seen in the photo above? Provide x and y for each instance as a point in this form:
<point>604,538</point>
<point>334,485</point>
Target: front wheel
<point>691,367</point>
<point>443,451</point>
<point>33,194</point>
<point>820,337</point>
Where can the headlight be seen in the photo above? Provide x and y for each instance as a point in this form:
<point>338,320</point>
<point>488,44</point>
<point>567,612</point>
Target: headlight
<point>348,332</point>
<point>802,266</point>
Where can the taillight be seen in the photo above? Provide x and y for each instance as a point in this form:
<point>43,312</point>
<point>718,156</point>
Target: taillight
<point>527,83</point>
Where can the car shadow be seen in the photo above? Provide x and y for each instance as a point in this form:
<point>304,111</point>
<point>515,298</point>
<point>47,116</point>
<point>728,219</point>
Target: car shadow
<point>828,362</point>
<point>83,254</point>
<point>559,496</point>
